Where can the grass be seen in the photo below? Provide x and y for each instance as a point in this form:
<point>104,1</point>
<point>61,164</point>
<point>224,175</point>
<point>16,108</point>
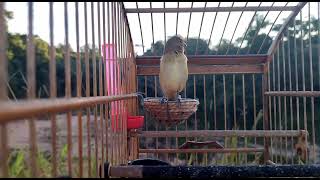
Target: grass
<point>19,167</point>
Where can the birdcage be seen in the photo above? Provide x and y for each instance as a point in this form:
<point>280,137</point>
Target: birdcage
<point>71,72</point>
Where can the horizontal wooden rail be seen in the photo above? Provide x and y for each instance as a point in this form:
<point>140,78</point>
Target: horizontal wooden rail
<point>294,93</point>
<point>221,133</point>
<point>207,69</point>
<point>225,150</point>
<point>209,60</point>
<point>210,9</point>
<point>31,108</point>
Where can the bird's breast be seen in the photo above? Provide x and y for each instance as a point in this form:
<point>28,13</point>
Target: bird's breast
<point>173,72</point>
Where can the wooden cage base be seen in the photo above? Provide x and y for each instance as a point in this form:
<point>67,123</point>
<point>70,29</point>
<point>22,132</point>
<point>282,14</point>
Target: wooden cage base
<point>140,171</point>
<point>219,133</point>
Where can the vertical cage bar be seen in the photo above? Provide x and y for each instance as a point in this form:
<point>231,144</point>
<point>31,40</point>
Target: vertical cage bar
<point>157,125</point>
<point>224,102</point>
<point>319,46</point>
<point>270,106</point>
<point>53,91</point>
<point>127,81</point>
<point>265,112</point>
<point>120,60</point>
<point>319,41</point>
<point>155,78</point>
<point>285,98</point>
<point>274,101</point>
<point>86,59</point>
<point>31,83</point>
<point>195,114</point>
<point>79,85</point>
<point>68,87</point>
<point>164,25</point>
<point>224,105</point>
<point>3,56</point>
<point>235,109</point>
<point>115,83</point>
<point>186,121</point>
<point>113,78</point>
<point>303,82</point>
<point>296,72</point>
<point>311,84</point>
<point>214,102</point>
<point>94,88</point>
<point>290,89</point>
<point>119,84</point>
<point>254,108</point>
<point>244,115</point>
<point>117,62</point>
<point>105,78</point>
<point>122,75</point>
<point>123,85</point>
<point>177,23</point>
<point>4,151</point>
<point>100,86</point>
<point>110,83</point>
<point>279,100</point>
<point>205,112</point>
<point>146,114</point>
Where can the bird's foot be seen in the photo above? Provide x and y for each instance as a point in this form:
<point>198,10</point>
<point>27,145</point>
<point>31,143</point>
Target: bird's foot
<point>163,100</point>
<point>179,101</point>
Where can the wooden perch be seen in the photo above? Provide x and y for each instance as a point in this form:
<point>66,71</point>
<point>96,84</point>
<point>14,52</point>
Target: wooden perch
<point>200,145</point>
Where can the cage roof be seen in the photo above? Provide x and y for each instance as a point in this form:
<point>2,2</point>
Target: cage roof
<point>216,28</point>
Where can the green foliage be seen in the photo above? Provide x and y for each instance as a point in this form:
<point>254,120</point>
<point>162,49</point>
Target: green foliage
<point>17,166</point>
<point>63,160</point>
<point>44,165</point>
<point>17,55</point>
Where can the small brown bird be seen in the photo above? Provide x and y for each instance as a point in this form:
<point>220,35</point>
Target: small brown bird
<point>173,68</point>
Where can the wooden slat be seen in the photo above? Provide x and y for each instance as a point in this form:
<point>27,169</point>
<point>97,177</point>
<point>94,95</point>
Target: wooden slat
<point>226,150</point>
<point>210,9</point>
<point>209,59</point>
<point>25,109</point>
<point>207,69</point>
<point>221,133</point>
<point>294,93</point>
